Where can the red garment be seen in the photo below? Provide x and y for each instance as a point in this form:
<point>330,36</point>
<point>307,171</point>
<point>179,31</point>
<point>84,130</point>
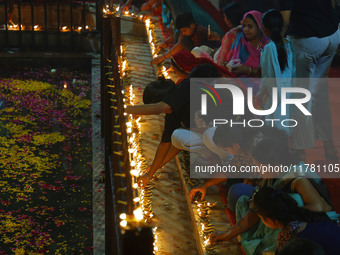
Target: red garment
<point>186,61</point>
<point>227,42</point>
<point>213,12</point>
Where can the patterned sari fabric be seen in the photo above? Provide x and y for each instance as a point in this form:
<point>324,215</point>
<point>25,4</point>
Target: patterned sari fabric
<point>228,39</point>
<point>288,233</point>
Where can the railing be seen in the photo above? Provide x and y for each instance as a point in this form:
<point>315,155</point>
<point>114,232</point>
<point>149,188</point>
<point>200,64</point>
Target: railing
<point>118,189</point>
<point>50,24</point>
<point>120,193</point>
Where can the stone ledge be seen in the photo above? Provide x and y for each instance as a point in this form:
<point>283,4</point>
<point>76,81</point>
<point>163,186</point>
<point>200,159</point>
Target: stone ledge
<point>218,218</point>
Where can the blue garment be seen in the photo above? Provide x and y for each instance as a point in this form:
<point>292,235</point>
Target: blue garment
<point>236,191</point>
<point>166,16</point>
<point>261,238</point>
<point>273,77</point>
<point>201,17</point>
<point>324,233</point>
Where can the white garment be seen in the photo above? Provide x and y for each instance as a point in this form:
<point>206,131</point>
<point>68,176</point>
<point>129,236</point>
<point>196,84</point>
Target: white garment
<point>313,60</point>
<point>201,143</point>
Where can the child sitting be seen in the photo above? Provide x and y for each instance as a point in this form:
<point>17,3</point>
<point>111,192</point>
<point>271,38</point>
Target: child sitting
<point>188,35</point>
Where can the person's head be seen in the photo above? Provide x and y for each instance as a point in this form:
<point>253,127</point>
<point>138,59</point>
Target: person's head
<point>251,24</point>
<point>235,140</point>
<point>156,91</point>
<point>273,150</point>
<point>272,22</point>
<point>233,14</point>
<point>204,71</point>
<point>299,246</point>
<point>276,208</point>
<point>183,62</point>
<point>185,23</point>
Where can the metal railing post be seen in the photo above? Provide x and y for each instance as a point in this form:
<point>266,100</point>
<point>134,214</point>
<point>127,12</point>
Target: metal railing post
<point>6,24</point>
<point>20,24</point>
<point>32,22</point>
<point>45,25</point>
<point>112,245</point>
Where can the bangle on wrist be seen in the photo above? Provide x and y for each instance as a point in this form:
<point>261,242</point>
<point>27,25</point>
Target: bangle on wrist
<point>249,72</point>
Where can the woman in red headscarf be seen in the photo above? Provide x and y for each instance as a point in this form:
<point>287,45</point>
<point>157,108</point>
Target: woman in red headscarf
<point>184,61</point>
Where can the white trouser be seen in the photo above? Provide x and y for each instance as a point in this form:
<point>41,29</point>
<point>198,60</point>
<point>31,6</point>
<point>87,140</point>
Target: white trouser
<point>313,59</point>
<point>201,143</point>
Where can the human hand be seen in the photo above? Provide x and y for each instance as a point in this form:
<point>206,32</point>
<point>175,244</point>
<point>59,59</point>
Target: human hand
<point>145,17</point>
<point>125,8</point>
<point>135,116</point>
<point>199,121</point>
<point>219,237</point>
<point>201,189</point>
<point>158,60</point>
<point>240,69</point>
<point>143,180</point>
<point>161,46</point>
<point>214,37</point>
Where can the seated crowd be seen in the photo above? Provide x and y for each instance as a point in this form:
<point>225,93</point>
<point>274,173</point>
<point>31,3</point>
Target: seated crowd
<point>285,212</point>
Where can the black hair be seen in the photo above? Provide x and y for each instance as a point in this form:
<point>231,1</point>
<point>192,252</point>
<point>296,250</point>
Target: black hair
<point>155,91</point>
<point>278,205</point>
<point>226,136</point>
<point>234,12</point>
<point>184,19</point>
<point>244,136</point>
<point>299,246</point>
<point>273,21</point>
<point>274,150</point>
<point>204,71</point>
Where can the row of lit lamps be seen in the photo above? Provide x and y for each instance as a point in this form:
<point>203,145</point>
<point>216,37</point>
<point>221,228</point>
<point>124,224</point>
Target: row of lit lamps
<point>40,28</point>
<point>144,210</point>
<point>202,213</point>
<point>143,214</point>
<point>137,161</point>
<point>203,208</point>
<point>136,157</point>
